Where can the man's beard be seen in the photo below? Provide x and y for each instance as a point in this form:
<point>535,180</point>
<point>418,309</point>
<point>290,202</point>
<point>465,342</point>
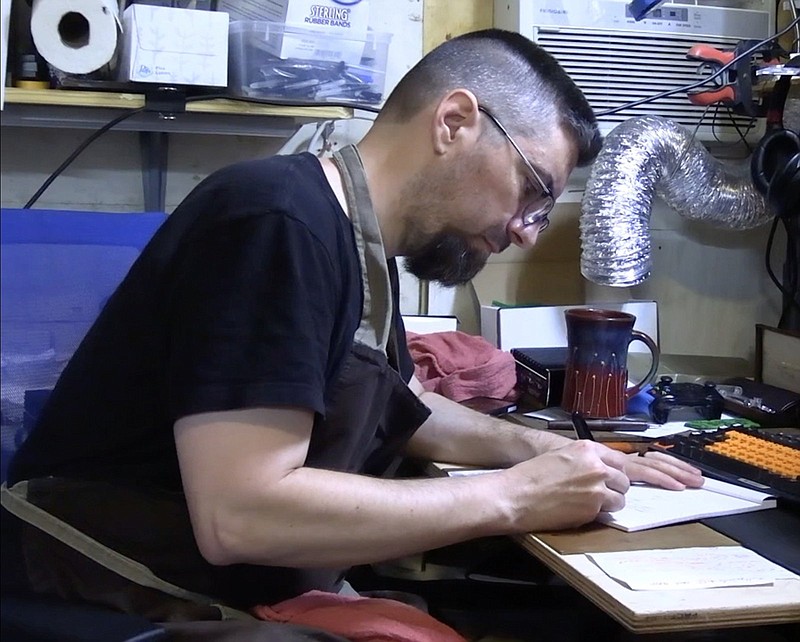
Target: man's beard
<point>447,259</point>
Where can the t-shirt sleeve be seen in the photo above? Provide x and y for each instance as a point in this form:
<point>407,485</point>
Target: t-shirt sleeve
<point>252,307</point>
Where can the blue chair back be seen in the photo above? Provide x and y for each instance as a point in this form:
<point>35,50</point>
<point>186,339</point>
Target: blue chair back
<point>57,269</point>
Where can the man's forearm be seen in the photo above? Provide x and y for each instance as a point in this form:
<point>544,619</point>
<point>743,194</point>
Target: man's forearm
<point>456,434</point>
<point>321,518</point>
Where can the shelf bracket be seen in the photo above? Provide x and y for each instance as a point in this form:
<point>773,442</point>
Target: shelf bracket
<point>154,148</point>
<point>166,101</point>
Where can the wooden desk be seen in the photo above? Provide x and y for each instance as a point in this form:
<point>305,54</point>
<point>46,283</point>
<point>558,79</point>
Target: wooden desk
<point>667,610</point>
<point>663,611</point>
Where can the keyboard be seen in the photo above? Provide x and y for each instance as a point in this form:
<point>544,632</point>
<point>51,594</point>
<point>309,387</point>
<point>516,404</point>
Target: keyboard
<point>751,457</point>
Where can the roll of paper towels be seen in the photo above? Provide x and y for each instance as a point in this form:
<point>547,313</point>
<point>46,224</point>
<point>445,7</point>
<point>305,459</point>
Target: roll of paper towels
<point>75,36</point>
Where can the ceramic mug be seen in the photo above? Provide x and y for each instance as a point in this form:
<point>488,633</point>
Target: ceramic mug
<point>596,372</point>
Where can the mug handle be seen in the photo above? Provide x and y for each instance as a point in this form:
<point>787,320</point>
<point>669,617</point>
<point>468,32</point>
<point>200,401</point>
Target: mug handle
<point>654,353</point>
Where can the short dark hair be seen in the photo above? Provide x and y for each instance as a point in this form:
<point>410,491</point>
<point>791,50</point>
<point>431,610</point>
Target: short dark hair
<point>511,75</point>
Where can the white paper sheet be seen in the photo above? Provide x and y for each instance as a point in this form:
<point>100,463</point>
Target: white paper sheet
<point>658,430</point>
<point>467,472</point>
<point>690,568</point>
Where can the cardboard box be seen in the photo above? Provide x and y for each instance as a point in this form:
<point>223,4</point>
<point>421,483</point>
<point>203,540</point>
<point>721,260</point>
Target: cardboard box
<point>423,324</point>
<point>174,46</point>
<point>545,327</point>
<point>325,17</point>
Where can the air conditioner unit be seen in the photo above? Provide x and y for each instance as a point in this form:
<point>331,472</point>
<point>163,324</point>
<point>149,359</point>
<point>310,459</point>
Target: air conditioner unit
<point>616,60</point>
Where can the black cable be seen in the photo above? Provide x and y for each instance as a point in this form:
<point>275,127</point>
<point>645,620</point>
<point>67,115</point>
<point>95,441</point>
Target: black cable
<point>742,135</point>
<point>790,272</point>
<point>200,97</point>
<point>93,137</point>
<point>790,279</point>
<point>704,81</point>
<point>694,133</point>
<point>789,289</point>
<point>714,121</point>
<point>793,9</point>
<point>775,280</point>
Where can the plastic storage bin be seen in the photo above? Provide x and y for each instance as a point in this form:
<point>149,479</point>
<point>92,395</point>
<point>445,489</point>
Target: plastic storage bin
<point>279,62</point>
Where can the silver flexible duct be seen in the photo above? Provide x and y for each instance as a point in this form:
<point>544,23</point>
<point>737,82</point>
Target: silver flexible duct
<point>641,157</point>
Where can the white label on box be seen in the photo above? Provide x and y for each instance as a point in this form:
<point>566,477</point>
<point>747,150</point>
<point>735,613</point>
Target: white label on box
<point>351,21</point>
<point>348,24</point>
<point>315,29</point>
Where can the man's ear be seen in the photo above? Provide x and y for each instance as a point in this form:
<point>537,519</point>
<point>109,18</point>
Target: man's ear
<point>456,120</point>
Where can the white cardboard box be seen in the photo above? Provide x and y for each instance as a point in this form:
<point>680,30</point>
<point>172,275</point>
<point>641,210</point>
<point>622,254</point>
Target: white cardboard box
<point>422,324</point>
<point>545,326</point>
<point>174,46</point>
<point>347,21</point>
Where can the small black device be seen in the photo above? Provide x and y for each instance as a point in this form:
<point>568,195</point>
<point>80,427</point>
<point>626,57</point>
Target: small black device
<point>540,375</point>
<point>685,401</point>
<point>767,405</point>
<point>490,405</point>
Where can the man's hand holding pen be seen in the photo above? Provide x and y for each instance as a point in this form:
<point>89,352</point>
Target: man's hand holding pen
<point>570,484</point>
<point>567,486</point>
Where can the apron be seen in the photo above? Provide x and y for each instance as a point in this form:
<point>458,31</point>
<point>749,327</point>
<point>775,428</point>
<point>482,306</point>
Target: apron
<point>132,548</point>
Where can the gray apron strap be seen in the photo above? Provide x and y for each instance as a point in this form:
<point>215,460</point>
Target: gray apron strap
<point>376,316</point>
<point>15,501</point>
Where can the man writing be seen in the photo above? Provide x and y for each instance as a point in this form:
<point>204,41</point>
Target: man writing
<point>247,387</point>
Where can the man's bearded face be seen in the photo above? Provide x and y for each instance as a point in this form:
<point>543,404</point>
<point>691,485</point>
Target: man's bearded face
<point>448,259</point>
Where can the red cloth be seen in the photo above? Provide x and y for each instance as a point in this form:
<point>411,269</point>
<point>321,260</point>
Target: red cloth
<point>458,365</point>
<point>360,619</point>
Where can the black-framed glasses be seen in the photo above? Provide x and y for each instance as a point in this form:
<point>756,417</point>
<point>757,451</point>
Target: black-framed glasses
<point>538,211</point>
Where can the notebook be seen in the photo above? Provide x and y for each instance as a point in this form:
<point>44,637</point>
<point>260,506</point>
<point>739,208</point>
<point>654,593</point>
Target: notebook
<point>650,507</point>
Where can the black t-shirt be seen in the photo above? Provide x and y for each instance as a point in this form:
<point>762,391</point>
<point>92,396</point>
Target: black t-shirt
<point>248,295</point>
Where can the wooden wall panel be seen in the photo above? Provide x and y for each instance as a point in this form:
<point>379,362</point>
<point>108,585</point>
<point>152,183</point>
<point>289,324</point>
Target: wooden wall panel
<point>443,19</point>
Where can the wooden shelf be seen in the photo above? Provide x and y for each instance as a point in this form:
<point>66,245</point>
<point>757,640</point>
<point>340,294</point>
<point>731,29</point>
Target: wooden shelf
<point>78,109</point>
<point>113,100</point>
<point>67,108</point>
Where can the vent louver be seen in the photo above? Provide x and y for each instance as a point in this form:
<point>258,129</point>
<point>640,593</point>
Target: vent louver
<point>616,67</point>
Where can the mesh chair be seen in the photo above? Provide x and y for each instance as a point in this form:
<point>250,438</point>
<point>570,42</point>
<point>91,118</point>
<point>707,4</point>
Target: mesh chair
<point>57,269</point>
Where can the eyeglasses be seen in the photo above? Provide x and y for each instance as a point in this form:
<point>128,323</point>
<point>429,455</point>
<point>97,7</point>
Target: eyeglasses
<point>538,211</point>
